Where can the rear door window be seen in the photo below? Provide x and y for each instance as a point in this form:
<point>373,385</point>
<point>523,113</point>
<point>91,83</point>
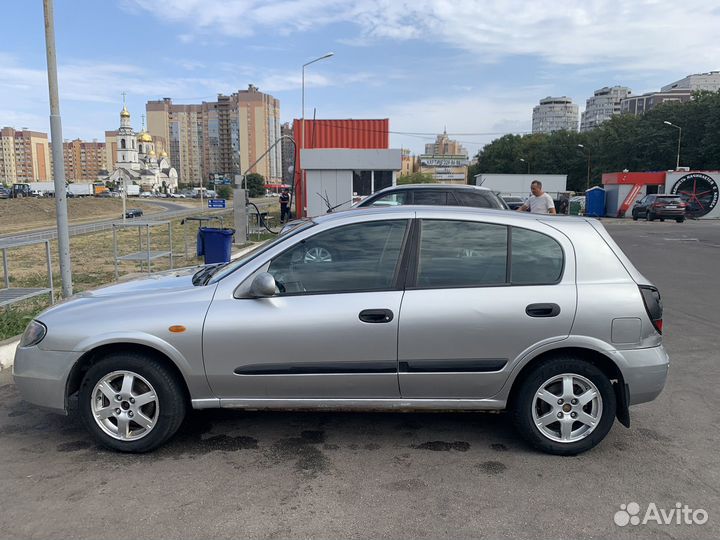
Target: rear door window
<point>461,254</point>
<point>475,199</point>
<point>432,197</point>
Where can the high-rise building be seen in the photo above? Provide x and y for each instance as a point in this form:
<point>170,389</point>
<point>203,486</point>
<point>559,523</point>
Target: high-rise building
<point>444,146</point>
<point>699,81</point>
<point>641,104</point>
<point>288,153</point>
<point>223,137</point>
<point>24,156</point>
<point>84,160</point>
<point>604,104</point>
<point>555,114</point>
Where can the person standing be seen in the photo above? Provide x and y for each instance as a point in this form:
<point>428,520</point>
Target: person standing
<point>284,206</point>
<point>539,202</point>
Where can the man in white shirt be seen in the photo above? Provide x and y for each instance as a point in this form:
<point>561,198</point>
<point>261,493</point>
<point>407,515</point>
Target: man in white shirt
<point>539,202</point>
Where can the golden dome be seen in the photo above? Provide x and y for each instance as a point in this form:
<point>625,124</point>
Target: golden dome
<point>163,154</point>
<point>144,137</point>
<point>152,153</point>
<point>125,113</point>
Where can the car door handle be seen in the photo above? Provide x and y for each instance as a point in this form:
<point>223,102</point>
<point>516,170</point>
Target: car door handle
<point>543,310</point>
<point>376,315</point>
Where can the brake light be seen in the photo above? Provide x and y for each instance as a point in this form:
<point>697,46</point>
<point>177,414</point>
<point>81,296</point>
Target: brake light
<point>653,306</point>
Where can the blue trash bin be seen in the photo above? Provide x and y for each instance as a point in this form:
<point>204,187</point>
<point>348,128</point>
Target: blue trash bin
<point>215,244</point>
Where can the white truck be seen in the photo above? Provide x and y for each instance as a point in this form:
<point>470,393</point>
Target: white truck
<point>133,190</point>
<point>518,185</point>
<point>80,190</point>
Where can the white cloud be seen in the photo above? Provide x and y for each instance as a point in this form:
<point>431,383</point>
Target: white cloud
<point>622,34</point>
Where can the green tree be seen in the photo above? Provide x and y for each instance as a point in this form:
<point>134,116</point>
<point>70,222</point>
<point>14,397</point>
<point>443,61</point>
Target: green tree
<point>635,143</point>
<point>224,192</point>
<point>416,178</point>
<point>254,183</point>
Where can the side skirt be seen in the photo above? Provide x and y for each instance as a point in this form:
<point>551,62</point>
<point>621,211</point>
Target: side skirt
<point>338,404</point>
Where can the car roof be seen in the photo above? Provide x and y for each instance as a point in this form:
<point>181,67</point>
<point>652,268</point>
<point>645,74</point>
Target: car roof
<point>443,212</point>
<point>432,186</point>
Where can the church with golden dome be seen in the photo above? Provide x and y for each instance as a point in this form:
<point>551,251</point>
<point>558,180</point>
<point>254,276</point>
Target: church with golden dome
<point>137,163</point>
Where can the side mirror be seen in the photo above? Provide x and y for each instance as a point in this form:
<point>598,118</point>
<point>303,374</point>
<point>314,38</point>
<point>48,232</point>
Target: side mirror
<point>263,286</point>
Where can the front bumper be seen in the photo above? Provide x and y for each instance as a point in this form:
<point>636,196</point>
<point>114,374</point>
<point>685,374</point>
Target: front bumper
<point>645,372</point>
<point>41,376</point>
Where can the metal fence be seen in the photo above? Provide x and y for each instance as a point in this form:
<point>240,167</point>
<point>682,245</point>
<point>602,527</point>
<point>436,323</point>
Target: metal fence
<point>75,230</point>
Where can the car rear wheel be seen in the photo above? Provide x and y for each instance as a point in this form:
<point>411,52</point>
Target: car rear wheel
<point>564,406</point>
<point>650,216</point>
<point>131,402</point>
<point>680,219</point>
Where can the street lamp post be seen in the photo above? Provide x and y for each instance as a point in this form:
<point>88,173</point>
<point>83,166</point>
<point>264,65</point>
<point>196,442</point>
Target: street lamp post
<point>528,164</point>
<point>677,163</point>
<point>587,153</point>
<point>302,139</point>
<point>323,57</point>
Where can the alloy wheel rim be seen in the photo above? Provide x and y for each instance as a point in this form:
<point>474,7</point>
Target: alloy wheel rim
<point>125,405</point>
<point>317,254</point>
<point>567,408</point>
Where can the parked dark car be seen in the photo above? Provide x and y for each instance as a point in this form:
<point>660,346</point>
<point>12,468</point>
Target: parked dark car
<point>661,207</point>
<point>4,193</point>
<point>133,213</point>
<point>513,202</point>
<point>434,195</point>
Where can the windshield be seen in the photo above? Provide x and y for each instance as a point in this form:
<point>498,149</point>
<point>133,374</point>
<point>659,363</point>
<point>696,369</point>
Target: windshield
<point>222,271</point>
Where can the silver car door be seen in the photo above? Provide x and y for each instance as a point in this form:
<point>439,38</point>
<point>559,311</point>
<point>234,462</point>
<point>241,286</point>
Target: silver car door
<point>472,307</point>
<point>330,332</point>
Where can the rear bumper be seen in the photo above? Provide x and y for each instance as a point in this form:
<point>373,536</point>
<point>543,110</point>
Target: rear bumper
<point>645,372</point>
<point>41,376</point>
<point>669,213</point>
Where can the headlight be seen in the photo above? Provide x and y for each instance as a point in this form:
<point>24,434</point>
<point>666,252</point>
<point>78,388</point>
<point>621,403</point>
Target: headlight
<point>34,334</point>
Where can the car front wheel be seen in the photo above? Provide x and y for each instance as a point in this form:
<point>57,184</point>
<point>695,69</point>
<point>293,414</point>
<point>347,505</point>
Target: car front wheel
<point>131,402</point>
<point>565,406</point>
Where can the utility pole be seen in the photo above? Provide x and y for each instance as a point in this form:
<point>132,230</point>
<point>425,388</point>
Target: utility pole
<point>63,235</point>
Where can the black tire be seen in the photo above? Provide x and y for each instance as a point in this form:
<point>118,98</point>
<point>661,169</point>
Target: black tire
<point>522,405</point>
<point>680,219</point>
<point>650,216</point>
<point>662,219</point>
<point>171,397</point>
<point>634,216</point>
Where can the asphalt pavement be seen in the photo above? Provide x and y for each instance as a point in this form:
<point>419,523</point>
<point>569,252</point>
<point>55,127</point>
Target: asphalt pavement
<point>233,474</point>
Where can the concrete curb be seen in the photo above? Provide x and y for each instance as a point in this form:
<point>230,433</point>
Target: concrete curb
<point>7,352</point>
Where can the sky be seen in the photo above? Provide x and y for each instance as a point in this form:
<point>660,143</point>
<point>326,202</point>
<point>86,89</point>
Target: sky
<point>473,67</point>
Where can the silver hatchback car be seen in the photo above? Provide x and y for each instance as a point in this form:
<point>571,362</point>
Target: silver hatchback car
<point>407,308</point>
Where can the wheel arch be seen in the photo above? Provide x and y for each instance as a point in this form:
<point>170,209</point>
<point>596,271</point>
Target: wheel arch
<point>600,360</point>
<point>89,358</point>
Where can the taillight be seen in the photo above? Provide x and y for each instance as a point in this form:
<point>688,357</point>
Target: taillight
<point>653,306</point>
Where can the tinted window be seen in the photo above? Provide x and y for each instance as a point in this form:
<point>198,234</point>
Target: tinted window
<point>536,258</point>
<point>356,257</point>
<point>475,199</point>
<point>382,179</point>
<point>391,199</point>
<point>461,254</point>
<point>434,197</point>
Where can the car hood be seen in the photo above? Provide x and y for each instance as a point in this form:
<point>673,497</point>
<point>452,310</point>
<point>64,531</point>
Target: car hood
<point>159,282</point>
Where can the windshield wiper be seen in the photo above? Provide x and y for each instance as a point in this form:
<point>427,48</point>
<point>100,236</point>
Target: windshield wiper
<point>202,276</point>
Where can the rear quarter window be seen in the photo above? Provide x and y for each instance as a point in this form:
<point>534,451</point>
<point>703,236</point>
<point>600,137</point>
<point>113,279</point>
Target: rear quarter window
<point>536,258</point>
